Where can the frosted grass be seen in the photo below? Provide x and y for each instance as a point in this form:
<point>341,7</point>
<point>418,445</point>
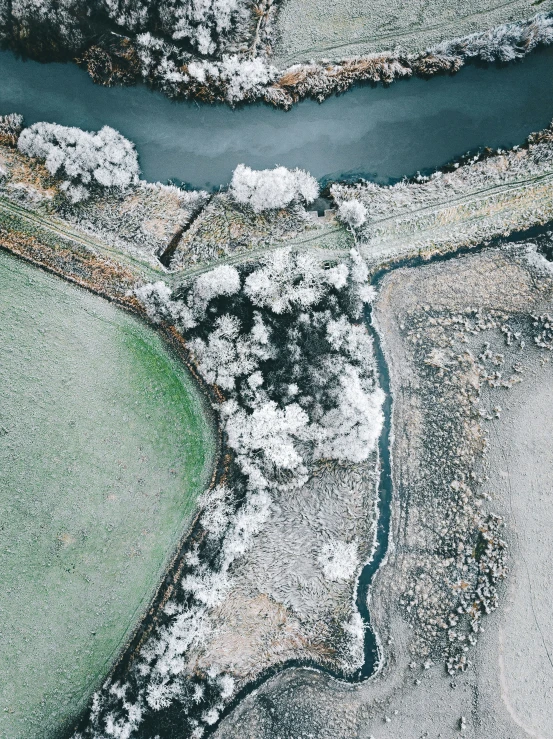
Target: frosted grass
<point>104,448</point>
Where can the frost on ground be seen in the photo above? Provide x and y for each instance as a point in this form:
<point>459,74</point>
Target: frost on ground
<point>483,196</point>
<point>468,343</point>
<point>270,574</point>
<point>311,30</point>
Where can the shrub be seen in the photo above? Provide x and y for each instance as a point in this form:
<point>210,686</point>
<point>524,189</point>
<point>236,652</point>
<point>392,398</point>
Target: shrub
<point>82,160</point>
<point>268,189</point>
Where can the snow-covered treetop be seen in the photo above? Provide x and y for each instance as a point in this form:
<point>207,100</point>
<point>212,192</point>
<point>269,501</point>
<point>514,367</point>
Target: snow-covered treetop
<point>353,213</point>
<point>82,159</point>
<point>223,280</point>
<point>267,189</point>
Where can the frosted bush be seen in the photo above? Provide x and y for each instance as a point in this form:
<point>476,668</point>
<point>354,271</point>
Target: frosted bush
<point>354,424</point>
<point>353,213</point>
<point>272,285</point>
<point>355,631</point>
<point>268,189</point>
<point>339,560</point>
<point>216,511</point>
<point>245,76</point>
<point>210,717</point>
<point>223,280</point>
<point>226,683</point>
<point>502,43</point>
<point>81,159</point>
<point>208,588</point>
<point>10,127</point>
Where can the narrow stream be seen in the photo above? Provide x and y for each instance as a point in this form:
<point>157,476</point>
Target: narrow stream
<point>384,510</point>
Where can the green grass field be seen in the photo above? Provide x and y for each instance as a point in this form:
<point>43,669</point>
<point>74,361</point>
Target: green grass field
<point>104,448</point>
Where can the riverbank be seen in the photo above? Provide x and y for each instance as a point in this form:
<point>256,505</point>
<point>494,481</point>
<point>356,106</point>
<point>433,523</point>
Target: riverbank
<point>159,231</point>
<point>335,50</point>
<point>281,606</point>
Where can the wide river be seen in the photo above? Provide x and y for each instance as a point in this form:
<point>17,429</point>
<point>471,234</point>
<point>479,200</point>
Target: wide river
<point>382,133</point>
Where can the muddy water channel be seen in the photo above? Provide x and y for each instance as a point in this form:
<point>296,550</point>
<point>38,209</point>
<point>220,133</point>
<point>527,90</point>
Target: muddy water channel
<point>104,447</point>
<point>383,134</point>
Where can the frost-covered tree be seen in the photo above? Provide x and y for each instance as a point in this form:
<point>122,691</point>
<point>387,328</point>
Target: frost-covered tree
<point>132,15</point>
<point>268,189</point>
<point>82,160</point>
<point>10,128</point>
<point>203,23</point>
<point>339,559</point>
<point>223,280</point>
<point>265,438</point>
<point>48,28</point>
<point>270,286</point>
<point>227,354</point>
<point>353,213</point>
<point>354,424</point>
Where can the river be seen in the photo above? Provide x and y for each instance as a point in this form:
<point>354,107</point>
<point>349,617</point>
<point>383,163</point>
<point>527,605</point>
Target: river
<point>381,133</point>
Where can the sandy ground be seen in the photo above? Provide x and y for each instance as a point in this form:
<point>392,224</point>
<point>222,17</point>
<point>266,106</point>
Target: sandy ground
<point>506,693</point>
<point>309,29</point>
